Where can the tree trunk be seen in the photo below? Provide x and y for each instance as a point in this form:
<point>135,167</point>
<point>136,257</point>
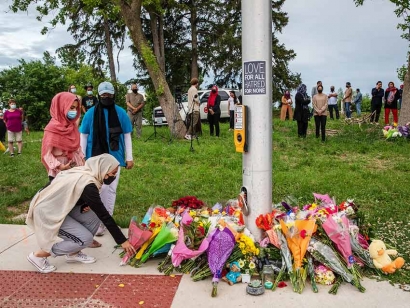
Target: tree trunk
<point>110,52</point>
<point>131,11</point>
<point>194,39</point>
<point>158,38</point>
<point>405,102</point>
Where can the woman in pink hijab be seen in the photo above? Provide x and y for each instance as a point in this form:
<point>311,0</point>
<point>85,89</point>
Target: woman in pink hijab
<point>61,142</point>
<point>60,149</point>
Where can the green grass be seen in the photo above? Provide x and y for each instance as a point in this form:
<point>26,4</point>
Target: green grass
<point>355,163</point>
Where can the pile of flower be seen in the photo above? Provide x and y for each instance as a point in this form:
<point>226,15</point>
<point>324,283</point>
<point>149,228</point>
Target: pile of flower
<point>321,240</point>
<point>324,241</point>
<point>194,238</point>
<point>395,131</point>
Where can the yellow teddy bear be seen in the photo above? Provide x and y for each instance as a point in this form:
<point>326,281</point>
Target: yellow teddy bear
<point>381,259</point>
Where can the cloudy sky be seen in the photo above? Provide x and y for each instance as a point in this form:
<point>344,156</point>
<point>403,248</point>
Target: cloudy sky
<point>335,42</point>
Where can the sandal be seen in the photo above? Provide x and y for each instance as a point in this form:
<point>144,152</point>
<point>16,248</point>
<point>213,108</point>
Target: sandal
<point>95,244</point>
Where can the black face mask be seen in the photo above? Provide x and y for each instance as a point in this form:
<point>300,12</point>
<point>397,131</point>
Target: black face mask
<point>135,91</point>
<point>107,101</point>
<point>109,180</point>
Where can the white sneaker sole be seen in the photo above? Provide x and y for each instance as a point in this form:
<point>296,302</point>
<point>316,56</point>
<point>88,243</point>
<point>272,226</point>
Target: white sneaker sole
<point>78,261</point>
<point>52,269</point>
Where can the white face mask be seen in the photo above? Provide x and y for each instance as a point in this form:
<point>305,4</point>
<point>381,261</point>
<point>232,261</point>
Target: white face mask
<point>73,90</point>
<point>13,106</point>
<point>90,92</point>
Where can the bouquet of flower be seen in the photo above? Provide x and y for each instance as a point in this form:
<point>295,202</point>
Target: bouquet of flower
<point>191,202</point>
<point>324,276</point>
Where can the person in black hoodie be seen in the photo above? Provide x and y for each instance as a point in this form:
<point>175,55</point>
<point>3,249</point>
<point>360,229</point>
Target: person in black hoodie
<point>302,112</point>
<point>376,103</point>
<point>3,128</point>
<point>214,110</point>
<point>391,96</point>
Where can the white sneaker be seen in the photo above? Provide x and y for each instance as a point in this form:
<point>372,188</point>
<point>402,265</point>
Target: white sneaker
<point>41,264</point>
<point>80,257</point>
<point>188,137</point>
<point>101,230</point>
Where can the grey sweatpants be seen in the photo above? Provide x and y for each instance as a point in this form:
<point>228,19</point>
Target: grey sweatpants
<point>77,232</point>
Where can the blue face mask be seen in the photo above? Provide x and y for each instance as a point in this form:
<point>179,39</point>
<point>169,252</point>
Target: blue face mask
<point>90,92</point>
<point>71,114</point>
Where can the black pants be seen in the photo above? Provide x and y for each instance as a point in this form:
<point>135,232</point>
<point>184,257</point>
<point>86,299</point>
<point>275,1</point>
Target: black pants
<point>231,118</point>
<point>331,107</point>
<point>302,129</point>
<point>378,109</point>
<point>320,124</point>
<point>214,121</point>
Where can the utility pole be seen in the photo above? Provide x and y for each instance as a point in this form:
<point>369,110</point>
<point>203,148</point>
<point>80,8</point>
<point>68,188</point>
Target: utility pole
<point>257,96</point>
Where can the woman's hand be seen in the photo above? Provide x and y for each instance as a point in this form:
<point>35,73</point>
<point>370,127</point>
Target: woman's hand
<point>66,166</point>
<point>128,248</point>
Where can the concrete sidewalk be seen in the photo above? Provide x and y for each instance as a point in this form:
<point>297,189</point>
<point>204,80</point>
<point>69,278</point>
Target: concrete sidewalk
<point>110,285</point>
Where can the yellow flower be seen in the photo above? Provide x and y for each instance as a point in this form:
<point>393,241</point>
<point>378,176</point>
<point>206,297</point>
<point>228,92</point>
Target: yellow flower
<point>177,225</point>
<point>257,252</point>
<point>252,265</point>
<point>241,263</point>
<point>192,213</point>
<point>241,246</point>
<point>243,252</point>
<point>224,213</point>
<point>215,211</point>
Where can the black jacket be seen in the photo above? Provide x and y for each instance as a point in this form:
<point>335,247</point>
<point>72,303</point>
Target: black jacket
<point>377,96</point>
<point>91,197</point>
<point>217,106</point>
<point>302,112</point>
<point>393,104</point>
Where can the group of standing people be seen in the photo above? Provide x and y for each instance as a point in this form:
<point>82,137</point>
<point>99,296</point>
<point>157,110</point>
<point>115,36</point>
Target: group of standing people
<point>83,166</point>
<point>391,97</point>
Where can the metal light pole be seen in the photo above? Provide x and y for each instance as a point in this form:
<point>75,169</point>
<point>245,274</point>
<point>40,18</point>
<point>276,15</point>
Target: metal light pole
<point>257,95</point>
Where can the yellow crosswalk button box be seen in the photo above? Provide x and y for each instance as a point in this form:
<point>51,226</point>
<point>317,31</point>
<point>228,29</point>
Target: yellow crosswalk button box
<point>240,129</point>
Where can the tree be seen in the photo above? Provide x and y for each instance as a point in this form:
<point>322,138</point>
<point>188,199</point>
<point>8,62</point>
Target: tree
<point>401,72</point>
<point>402,11</point>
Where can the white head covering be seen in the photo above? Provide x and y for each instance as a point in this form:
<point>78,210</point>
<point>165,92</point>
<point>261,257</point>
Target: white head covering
<point>51,205</point>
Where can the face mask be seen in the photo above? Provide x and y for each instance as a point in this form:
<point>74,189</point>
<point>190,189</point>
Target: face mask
<point>1,114</point>
<point>71,114</point>
<point>320,90</point>
<point>331,89</point>
<point>135,91</point>
<point>13,106</point>
<point>90,92</point>
<point>109,180</point>
<point>107,101</point>
<point>213,90</point>
<point>73,90</point>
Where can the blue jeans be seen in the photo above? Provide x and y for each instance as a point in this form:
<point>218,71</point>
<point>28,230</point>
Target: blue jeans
<point>359,109</point>
<point>347,110</point>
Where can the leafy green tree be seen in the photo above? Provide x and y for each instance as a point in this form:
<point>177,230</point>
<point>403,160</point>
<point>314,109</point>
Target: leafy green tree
<point>402,11</point>
<point>401,73</point>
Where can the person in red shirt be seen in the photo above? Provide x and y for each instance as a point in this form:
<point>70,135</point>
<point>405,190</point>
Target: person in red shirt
<point>13,118</point>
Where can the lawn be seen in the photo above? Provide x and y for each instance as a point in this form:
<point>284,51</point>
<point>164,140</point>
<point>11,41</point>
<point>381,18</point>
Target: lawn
<point>353,163</point>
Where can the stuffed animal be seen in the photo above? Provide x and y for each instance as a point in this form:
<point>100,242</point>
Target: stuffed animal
<point>381,259</point>
<point>234,274</point>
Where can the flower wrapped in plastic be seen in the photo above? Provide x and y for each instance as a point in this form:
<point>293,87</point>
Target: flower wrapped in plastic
<point>337,229</point>
<point>298,235</point>
<point>220,248</point>
<point>167,234</point>
<point>359,251</point>
<point>137,237</point>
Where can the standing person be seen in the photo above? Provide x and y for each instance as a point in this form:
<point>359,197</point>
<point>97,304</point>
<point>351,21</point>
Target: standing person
<point>70,207</point>
<point>13,118</point>
<point>232,102</point>
<point>60,148</point>
<point>391,96</point>
<point>24,123</point>
<point>3,128</point>
<point>73,89</point>
<point>358,102</point>
<point>302,101</point>
<point>347,99</point>
<point>319,113</point>
<point>401,97</point>
<point>135,103</point>
<point>106,128</point>
<point>193,108</point>
<point>376,103</point>
<point>90,100</point>
<point>286,106</point>
<point>314,89</point>
<point>214,111</point>
<point>332,103</point>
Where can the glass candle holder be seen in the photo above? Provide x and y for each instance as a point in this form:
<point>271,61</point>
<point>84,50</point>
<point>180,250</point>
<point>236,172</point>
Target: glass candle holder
<point>268,276</point>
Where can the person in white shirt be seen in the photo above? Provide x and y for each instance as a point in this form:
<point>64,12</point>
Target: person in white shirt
<point>193,108</point>
<point>232,101</point>
<point>332,103</point>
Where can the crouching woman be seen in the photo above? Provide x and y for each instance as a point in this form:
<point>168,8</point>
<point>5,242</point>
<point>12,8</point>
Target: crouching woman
<point>70,208</point>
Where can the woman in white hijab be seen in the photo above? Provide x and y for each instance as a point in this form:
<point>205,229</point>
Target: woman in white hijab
<point>70,207</point>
